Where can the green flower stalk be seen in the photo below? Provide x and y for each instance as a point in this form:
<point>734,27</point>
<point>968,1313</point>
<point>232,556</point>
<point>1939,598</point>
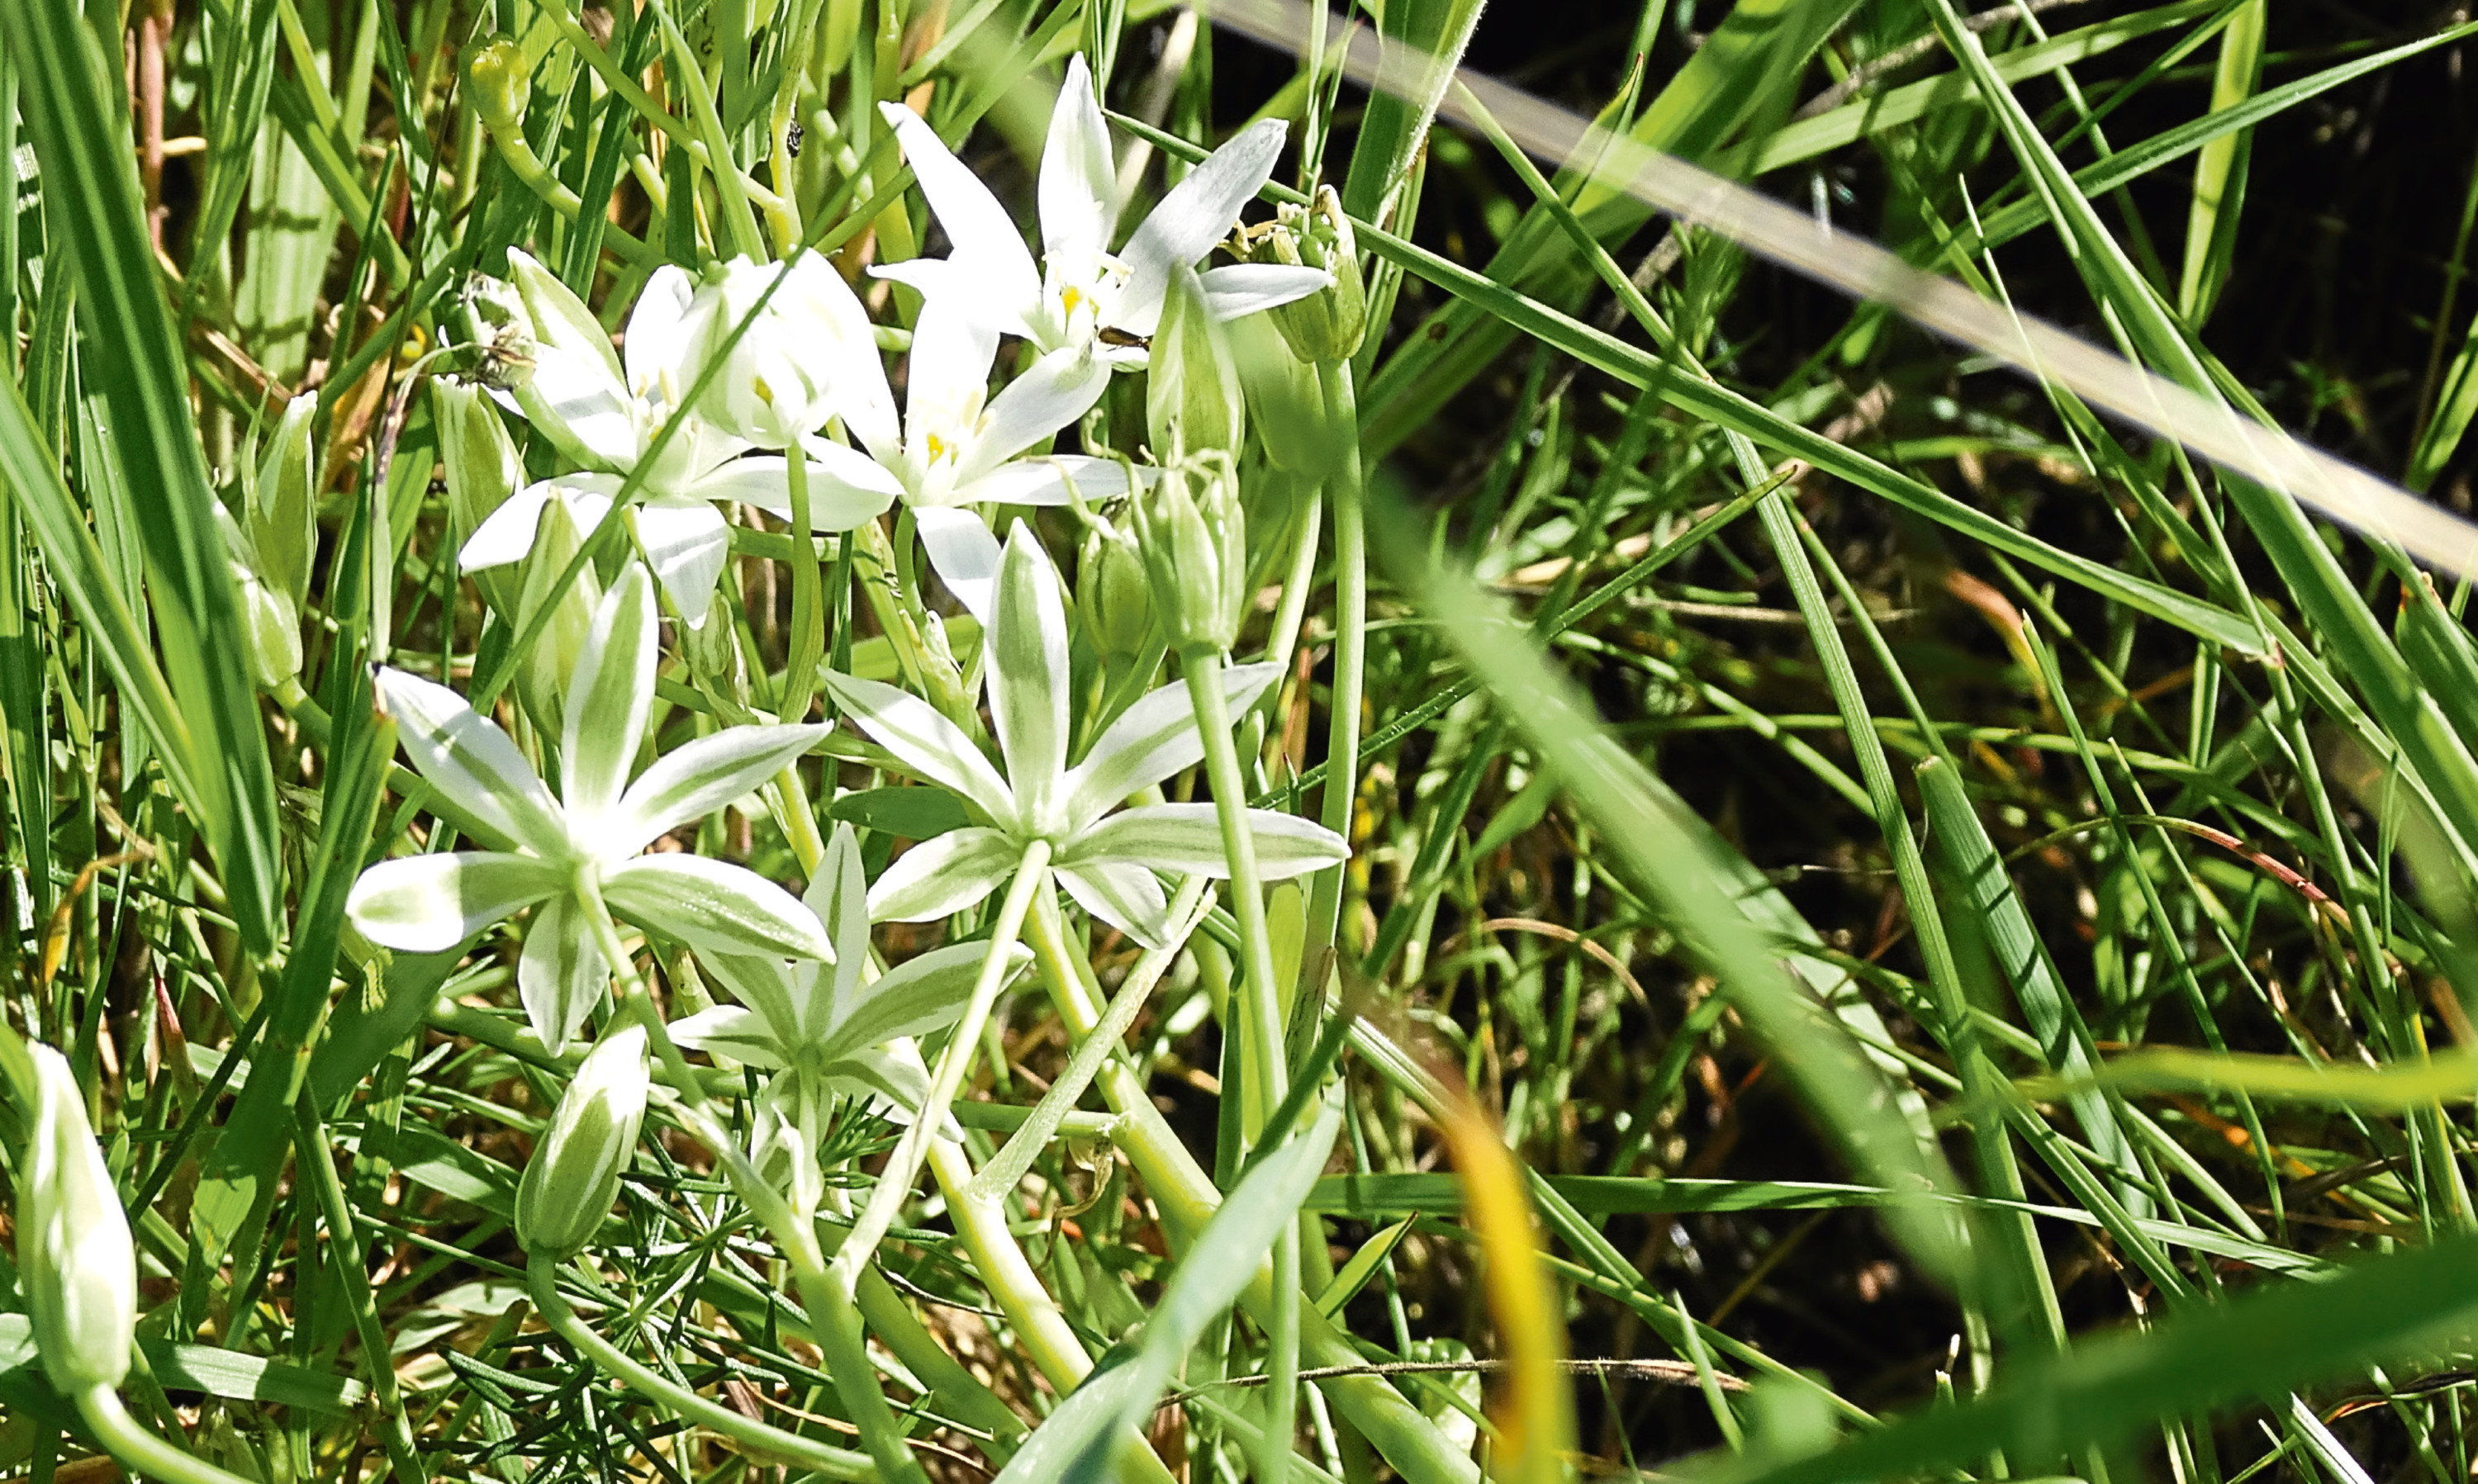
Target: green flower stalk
<point>574,1174</point>
<point>77,1264</point>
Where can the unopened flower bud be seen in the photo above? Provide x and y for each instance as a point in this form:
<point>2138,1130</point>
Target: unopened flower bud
<point>283,506</point>
<point>541,683</point>
<point>712,649</point>
<point>270,620</point>
<point>574,1174</point>
<point>75,1260</point>
<point>482,469</point>
<point>501,83</point>
<point>1113,597</point>
<point>1192,399</point>
<point>1323,327</point>
<point>1194,545</point>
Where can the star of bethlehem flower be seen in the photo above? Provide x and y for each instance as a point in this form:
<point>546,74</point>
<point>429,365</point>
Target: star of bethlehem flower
<point>1081,288</point>
<point>561,855</point>
<point>1104,860</point>
<point>606,411</point>
<point>818,1023</point>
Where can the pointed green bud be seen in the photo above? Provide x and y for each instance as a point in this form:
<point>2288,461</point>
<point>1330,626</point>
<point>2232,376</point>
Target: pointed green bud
<point>574,1174</point>
<point>541,683</point>
<point>501,83</point>
<point>1285,400</point>
<point>284,505</point>
<point>1323,327</point>
<point>75,1260</point>
<point>1195,544</point>
<point>712,649</point>
<point>1114,599</point>
<point>1192,399</point>
<point>270,620</point>
<point>482,469</point>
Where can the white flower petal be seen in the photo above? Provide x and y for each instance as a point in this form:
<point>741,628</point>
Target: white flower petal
<point>727,1030</point>
<point>575,395</point>
<point>465,756</point>
<point>918,996</point>
<point>688,541</point>
<point>506,535</point>
<point>1025,657</point>
<point>939,878</point>
<point>1046,479</point>
<point>1123,894</point>
<point>1238,288</point>
<point>697,778</point>
<point>562,974</point>
<point>431,903</point>
<point>1056,390</point>
<point>835,504</point>
<point>839,898</point>
<point>991,300</point>
<point>783,993</point>
<point>713,906</point>
<point>1199,211</point>
<point>930,746</point>
<point>661,330</point>
<point>948,376</point>
<point>1187,839</point>
<point>610,694</point>
<point>964,554</point>
<point>1079,181</point>
<point>984,235</point>
<point>1152,740</point>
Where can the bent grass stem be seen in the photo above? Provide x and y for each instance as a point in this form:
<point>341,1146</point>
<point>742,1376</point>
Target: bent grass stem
<point>541,1282</point>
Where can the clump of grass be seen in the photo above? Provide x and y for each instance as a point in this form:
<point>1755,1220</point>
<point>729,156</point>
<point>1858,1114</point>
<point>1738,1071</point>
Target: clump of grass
<point>1076,819</point>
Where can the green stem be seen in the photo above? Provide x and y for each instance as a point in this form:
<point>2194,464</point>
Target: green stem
<point>634,999</point>
<point>541,1276</point>
<point>1349,648</point>
<point>344,1246</point>
<point>1186,1197</point>
<point>834,1318</point>
<point>808,635</point>
<point>1202,666</point>
<point>517,155</point>
<point>141,1451</point>
<point>903,1166</point>
<point>730,185</point>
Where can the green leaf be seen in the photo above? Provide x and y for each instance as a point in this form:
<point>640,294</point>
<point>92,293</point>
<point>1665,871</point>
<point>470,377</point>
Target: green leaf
<point>134,356</point>
<point>209,1369</point>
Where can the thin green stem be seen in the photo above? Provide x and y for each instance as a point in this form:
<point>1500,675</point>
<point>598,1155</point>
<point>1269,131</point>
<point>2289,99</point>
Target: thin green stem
<point>141,1451</point>
<point>1202,666</point>
<point>540,1275</point>
<point>633,998</point>
<point>1349,646</point>
<point>834,1317</point>
<point>903,1166</point>
<point>517,155</point>
<point>344,1246</point>
<point>808,631</point>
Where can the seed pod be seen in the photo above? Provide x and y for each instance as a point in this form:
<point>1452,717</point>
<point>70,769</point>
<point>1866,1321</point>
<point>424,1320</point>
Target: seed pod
<point>1194,538</point>
<point>284,505</point>
<point>1114,597</point>
<point>1324,327</point>
<point>1192,398</point>
<point>75,1260</point>
<point>574,1174</point>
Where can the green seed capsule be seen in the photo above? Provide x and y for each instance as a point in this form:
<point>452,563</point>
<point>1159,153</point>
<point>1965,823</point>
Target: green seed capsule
<point>574,1174</point>
<point>501,82</point>
<point>1323,327</point>
<point>76,1262</point>
<point>1113,597</point>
